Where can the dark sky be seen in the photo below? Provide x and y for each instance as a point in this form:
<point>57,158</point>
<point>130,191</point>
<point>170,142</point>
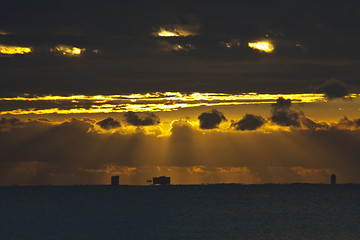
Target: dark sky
<point>207,137</point>
<point>314,41</point>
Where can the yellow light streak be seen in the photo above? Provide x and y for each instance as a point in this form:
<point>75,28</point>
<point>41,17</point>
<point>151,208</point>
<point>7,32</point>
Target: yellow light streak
<point>10,50</point>
<point>177,96</point>
<point>176,31</point>
<point>68,50</point>
<point>149,102</point>
<point>165,33</point>
<point>264,46</point>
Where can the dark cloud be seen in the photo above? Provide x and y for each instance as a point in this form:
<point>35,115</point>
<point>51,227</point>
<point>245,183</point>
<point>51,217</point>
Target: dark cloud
<point>283,115</point>
<point>282,104</point>
<point>357,121</point>
<point>249,122</point>
<point>211,120</point>
<point>348,124</point>
<point>76,125</point>
<point>148,120</point>
<point>108,123</point>
<point>15,124</point>
<point>333,89</point>
<point>9,121</point>
<point>43,120</point>
<point>311,124</point>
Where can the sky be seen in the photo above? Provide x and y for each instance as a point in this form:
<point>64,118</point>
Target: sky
<point>212,91</point>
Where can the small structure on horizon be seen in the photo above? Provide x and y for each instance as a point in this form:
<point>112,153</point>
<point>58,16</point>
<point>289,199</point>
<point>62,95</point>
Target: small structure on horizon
<point>162,180</point>
<point>115,180</point>
<point>333,179</point>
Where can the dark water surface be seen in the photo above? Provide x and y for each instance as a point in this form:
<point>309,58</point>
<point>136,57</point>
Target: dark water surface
<point>223,211</point>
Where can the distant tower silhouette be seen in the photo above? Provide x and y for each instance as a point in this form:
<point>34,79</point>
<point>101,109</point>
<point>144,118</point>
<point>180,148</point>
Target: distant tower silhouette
<point>333,179</point>
<point>115,180</point>
<point>161,180</point>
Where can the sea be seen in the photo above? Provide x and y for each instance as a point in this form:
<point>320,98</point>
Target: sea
<point>214,211</point>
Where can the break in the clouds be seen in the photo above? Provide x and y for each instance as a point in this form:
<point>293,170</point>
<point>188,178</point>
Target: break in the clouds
<point>249,122</point>
<point>67,50</point>
<point>179,30</point>
<point>150,102</point>
<point>333,89</point>
<point>109,123</point>
<point>175,31</point>
<point>263,46</point>
<point>11,50</point>
<point>147,120</point>
<point>211,120</point>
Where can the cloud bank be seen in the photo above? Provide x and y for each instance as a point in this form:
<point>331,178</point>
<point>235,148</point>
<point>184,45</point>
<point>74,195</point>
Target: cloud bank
<point>73,152</point>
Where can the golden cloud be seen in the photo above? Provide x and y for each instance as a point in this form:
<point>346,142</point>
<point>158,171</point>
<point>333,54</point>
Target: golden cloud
<point>150,102</point>
<point>10,50</point>
<point>264,46</point>
<point>68,50</point>
<point>177,31</point>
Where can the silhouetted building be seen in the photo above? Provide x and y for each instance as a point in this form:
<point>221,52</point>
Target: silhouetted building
<point>333,179</point>
<point>161,180</point>
<point>115,180</point>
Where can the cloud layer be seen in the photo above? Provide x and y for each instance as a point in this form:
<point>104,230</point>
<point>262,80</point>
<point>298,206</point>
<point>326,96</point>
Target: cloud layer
<point>73,152</point>
<point>128,57</point>
<point>149,102</point>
